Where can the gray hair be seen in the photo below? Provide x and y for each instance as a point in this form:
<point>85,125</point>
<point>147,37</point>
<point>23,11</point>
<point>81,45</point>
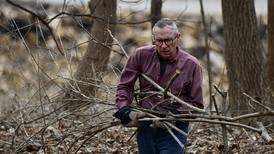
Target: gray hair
<point>165,22</point>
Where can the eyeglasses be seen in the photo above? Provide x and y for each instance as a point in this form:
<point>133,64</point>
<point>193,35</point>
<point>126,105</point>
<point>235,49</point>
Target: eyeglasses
<point>168,42</point>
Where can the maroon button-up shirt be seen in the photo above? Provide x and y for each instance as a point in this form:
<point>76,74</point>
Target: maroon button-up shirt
<point>187,86</point>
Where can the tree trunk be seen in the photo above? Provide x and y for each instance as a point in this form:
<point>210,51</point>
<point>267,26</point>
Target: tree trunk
<point>270,28</point>
<point>96,58</point>
<point>155,11</point>
<point>243,54</point>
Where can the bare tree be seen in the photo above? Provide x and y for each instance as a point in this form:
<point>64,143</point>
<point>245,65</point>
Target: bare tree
<point>156,11</point>
<point>243,54</point>
<point>95,60</point>
<point>270,56</point>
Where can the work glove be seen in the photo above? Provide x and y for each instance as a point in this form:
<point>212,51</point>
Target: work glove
<point>161,124</point>
<point>157,124</point>
<point>134,116</point>
<point>128,117</point>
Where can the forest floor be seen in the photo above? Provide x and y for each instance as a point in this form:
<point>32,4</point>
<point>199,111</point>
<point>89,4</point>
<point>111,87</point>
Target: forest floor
<point>204,139</point>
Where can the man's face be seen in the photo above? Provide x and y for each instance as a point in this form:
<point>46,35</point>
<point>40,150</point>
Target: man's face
<point>166,40</point>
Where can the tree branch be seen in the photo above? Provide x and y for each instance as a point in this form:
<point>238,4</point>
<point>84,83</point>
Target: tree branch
<point>43,22</point>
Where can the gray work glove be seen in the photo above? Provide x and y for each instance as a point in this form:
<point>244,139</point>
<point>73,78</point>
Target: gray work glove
<point>161,124</point>
<point>134,116</point>
<point>157,124</point>
<point>128,117</point>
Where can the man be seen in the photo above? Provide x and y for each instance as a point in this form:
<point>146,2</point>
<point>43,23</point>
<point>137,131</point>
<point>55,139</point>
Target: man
<point>160,62</point>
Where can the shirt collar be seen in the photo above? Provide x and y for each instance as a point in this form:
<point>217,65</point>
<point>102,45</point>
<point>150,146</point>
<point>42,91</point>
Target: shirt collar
<point>173,60</point>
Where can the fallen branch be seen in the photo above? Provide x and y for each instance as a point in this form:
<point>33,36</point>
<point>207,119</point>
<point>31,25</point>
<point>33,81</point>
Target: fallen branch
<point>264,133</point>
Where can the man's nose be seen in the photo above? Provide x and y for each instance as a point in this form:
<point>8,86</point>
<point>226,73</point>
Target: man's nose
<point>164,45</point>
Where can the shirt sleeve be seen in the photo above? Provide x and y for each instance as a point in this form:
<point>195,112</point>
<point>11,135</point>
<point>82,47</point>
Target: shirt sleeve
<point>196,93</point>
<point>125,88</point>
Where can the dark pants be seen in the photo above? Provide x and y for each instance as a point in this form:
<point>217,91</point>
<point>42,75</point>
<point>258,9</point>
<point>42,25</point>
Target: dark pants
<point>159,141</point>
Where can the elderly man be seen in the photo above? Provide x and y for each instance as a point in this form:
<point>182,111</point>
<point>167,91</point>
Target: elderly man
<point>160,62</point>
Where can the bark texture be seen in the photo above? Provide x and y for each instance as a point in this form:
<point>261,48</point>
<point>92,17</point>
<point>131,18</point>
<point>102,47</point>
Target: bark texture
<point>243,54</point>
<point>156,11</point>
<point>95,60</point>
<point>270,28</point>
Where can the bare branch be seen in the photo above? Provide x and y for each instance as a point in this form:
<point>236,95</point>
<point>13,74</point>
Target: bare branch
<point>258,103</point>
<point>42,20</point>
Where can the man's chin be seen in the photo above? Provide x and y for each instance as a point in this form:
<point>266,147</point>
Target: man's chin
<point>165,57</point>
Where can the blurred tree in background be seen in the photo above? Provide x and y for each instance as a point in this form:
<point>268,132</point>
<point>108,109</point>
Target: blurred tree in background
<point>270,27</point>
<point>155,11</point>
<point>243,54</point>
<point>94,62</point>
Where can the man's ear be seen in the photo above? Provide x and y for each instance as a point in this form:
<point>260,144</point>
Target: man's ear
<point>152,39</point>
<point>178,37</point>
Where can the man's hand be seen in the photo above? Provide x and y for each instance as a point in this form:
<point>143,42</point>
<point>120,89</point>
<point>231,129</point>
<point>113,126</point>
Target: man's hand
<point>161,124</point>
<point>134,116</point>
<point>157,124</point>
<point>128,117</point>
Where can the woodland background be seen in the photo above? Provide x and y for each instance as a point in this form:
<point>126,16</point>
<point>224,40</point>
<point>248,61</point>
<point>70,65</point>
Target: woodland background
<point>60,64</point>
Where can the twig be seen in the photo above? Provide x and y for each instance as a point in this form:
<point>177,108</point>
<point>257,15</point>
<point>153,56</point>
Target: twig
<point>157,104</point>
<point>176,128</point>
<point>257,102</point>
<point>156,118</point>
<point>119,44</point>
<point>205,121</point>
<point>175,137</point>
<point>42,20</point>
<point>219,117</point>
<point>133,134</point>
<point>90,134</point>
<point>219,91</point>
<point>45,127</point>
<point>167,126</point>
<point>172,95</point>
<point>224,130</point>
<point>32,56</point>
<point>99,18</point>
<point>207,53</point>
<point>175,75</point>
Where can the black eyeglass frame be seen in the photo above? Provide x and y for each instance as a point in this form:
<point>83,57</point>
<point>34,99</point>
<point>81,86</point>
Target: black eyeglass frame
<point>160,42</point>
